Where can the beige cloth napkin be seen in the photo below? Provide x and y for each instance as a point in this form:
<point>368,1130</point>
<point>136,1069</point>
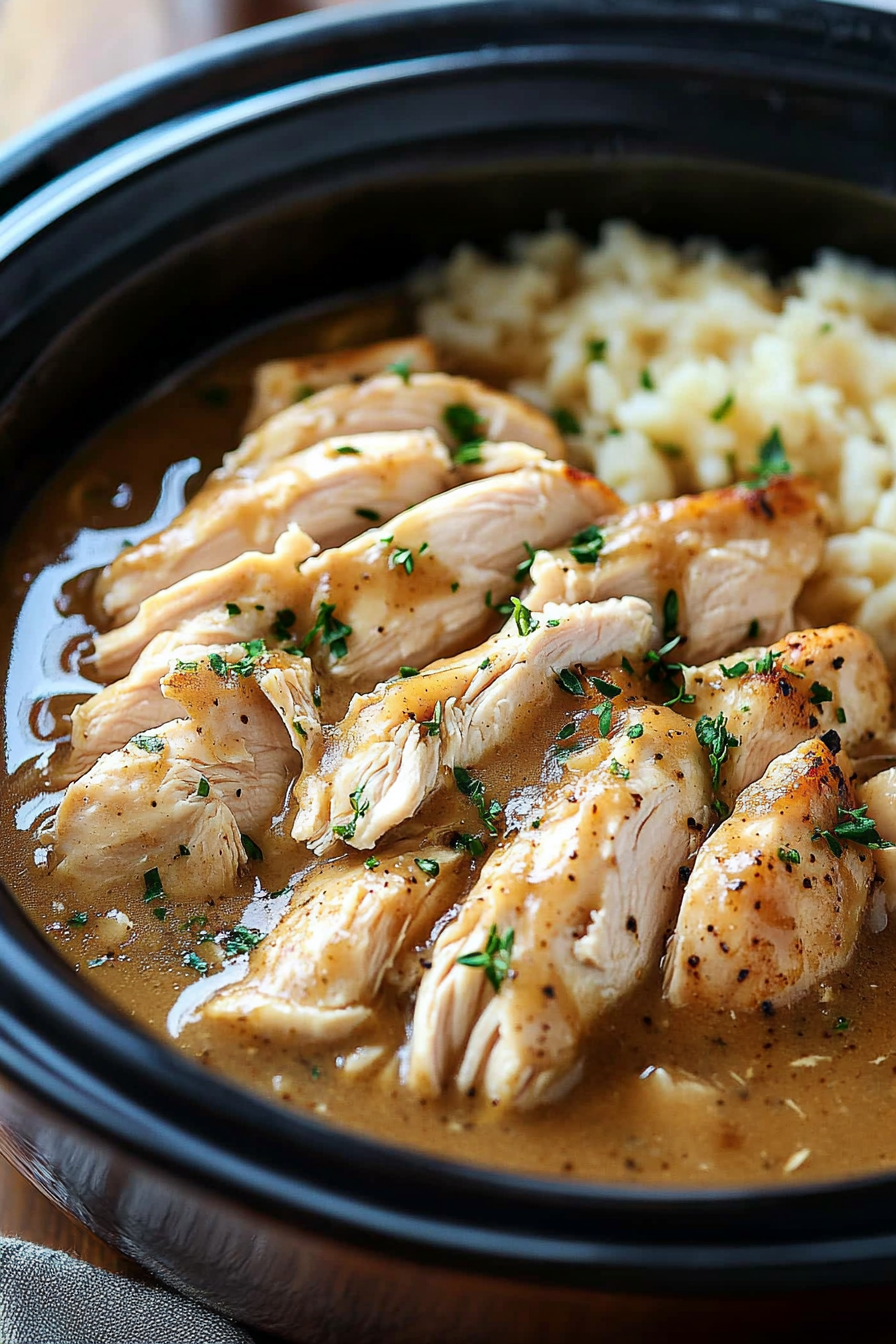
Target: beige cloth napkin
<point>47,1297</point>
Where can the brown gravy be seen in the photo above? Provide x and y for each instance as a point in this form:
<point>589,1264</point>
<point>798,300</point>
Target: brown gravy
<point>806,1094</point>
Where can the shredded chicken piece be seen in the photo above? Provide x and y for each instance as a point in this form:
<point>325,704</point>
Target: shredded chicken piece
<point>391,750</point>
<point>332,490</point>
<point>179,797</point>
<point>773,698</point>
<point>769,909</point>
<point>317,974</point>
<point>284,382</point>
<point>389,402</point>
<point>733,557</point>
<point>879,796</point>
<point>589,896</point>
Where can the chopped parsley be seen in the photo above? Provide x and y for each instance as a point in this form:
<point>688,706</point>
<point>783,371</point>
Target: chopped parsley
<point>253,851</point>
<point>402,368</point>
<point>819,694</point>
<point>552,624</point>
<point>565,421</point>
<point>217,664</point>
<point>184,851</point>
<point>371,863</point>
<point>636,730</point>
<point>670,614</point>
<point>672,450</point>
<point>670,674</point>
<point>402,559</point>
<point>474,789</point>
<point>468,454</point>
<point>619,770</point>
<point>570,682</point>
<point>646,380</point>
<point>525,621</point>
<point>854,824</point>
<point>566,731</point>
<point>737,670</point>
<point>596,350</point>
<point>841,714</point>
<point>194,920</point>
<point>255,650</point>
<point>455,586</point>
<point>486,662</point>
<point>524,565</point>
<point>767,662</point>
<point>78,920</point>
<point>502,608</point>
<point>333,633</point>
<point>494,959</point>
<point>772,461</point>
<point>471,843</point>
<point>465,424</point>
<point>606,687</point>
<point>370,514</point>
<point>152,883</point>
<point>347,830</point>
<point>604,719</point>
<point>586,546</point>
<point>184,667</point>
<point>302,392</point>
<point>242,940</point>
<point>149,742</point>
<point>789,855</point>
<point>346,450</point>
<point>434,724</point>
<point>202,787</point>
<point>428,866</point>
<point>408,671</point>
<point>627,667</point>
<point>232,609</point>
<point>753,629</point>
<point>714,737</point>
<point>298,729</point>
<point>283,623</point>
<point>195,962</point>
<point>160,912</point>
<point>724,406</point>
<point>842,1024</point>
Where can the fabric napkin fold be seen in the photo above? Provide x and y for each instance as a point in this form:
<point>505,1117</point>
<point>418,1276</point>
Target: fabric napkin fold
<point>47,1297</point>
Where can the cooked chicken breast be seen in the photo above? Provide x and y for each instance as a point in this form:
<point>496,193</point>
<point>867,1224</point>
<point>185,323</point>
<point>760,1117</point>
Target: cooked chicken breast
<point>736,558</point>
<point>879,796</point>
<point>588,895</point>
<point>178,798</point>
<point>391,402</point>
<point>774,698</point>
<point>332,490</point>
<point>316,976</point>
<point>394,746</point>
<point>283,382</point>
<point>770,909</point>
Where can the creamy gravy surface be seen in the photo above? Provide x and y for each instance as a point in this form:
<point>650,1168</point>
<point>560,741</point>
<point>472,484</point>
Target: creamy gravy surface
<point>669,1096</point>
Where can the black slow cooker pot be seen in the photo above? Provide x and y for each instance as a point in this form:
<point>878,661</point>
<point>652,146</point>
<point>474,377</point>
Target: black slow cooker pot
<point>311,158</point>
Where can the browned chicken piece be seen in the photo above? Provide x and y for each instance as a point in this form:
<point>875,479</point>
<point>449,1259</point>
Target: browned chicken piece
<point>878,795</point>
<point>179,797</point>
<point>772,907</point>
<point>284,382</point>
<point>773,698</point>
<point>736,559</point>
<point>332,490</point>
<point>316,976</point>
<point>393,748</point>
<point>570,916</point>
<point>389,402</point>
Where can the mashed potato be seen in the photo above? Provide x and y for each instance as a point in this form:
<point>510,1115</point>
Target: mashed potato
<point>668,366</point>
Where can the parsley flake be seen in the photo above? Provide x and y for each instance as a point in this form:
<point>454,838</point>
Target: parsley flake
<point>402,559</point>
<point>714,737</point>
<point>434,724</point>
<point>566,731</point>
<point>606,687</point>
<point>819,694</point>
<point>670,614</point>
<point>346,831</point>
<point>854,824</point>
<point>569,682</point>
<point>596,350</point>
<point>253,851</point>
<point>78,920</point>
<point>428,866</point>
<point>471,843</point>
<point>152,883</point>
<point>789,855</point>
<point>371,863</point>
<point>620,771</point>
<point>232,609</point>
<point>402,368</point>
<point>737,670</point>
<point>772,461</point>
<point>474,789</point>
<point>333,633</point>
<point>525,621</point>
<point>494,959</point>
<point>565,421</point>
<point>202,787</point>
<point>723,408</point>
<point>525,565</point>
<point>646,380</point>
<point>636,730</point>
<point>586,546</point>
<point>149,742</point>
<point>408,671</point>
<point>370,514</point>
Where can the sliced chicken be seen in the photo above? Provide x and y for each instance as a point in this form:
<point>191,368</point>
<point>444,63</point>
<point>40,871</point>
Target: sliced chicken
<point>283,382</point>
<point>394,746</point>
<point>391,402</point>
<point>316,976</point>
<point>333,490</point>
<point>179,797</point>
<point>774,698</point>
<point>589,896</point>
<point>770,909</point>
<point>735,558</point>
<point>461,547</point>
<point>879,796</point>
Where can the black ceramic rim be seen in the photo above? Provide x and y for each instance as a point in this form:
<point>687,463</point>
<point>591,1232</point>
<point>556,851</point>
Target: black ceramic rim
<point>67,1048</point>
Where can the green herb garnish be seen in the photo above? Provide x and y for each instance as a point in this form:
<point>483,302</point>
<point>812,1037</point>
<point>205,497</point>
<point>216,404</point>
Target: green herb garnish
<point>370,514</point>
<point>569,682</point>
<point>586,546</point>
<point>525,622</point>
<point>347,830</point>
<point>525,565</point>
<point>202,787</point>
<point>494,959</point>
<point>772,461</point>
<point>565,421</point>
<point>714,737</point>
<point>333,633</point>
<point>596,350</point>
<point>149,742</point>
<point>428,866</point>
<point>253,852</point>
<point>474,789</point>
<point>724,406</point>
<point>854,825</point>
<point>152,883</point>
